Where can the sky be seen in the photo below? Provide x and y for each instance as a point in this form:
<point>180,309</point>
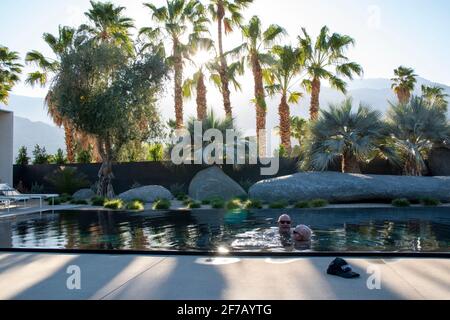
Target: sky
<point>388,33</point>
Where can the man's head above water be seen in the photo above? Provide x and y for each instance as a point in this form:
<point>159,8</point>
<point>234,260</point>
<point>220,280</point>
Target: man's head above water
<point>284,223</point>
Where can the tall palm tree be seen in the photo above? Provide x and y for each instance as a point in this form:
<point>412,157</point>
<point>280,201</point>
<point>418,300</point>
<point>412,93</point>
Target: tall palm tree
<point>9,72</point>
<point>227,14</point>
<point>280,78</point>
<point>108,24</point>
<point>350,136</point>
<point>256,43</point>
<point>435,95</point>
<point>404,83</point>
<point>234,69</point>
<point>48,69</point>
<point>414,129</point>
<point>325,60</point>
<point>176,20</point>
<point>197,83</point>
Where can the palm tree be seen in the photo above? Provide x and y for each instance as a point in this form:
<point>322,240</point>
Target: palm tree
<point>9,72</point>
<point>223,125</point>
<point>174,20</point>
<point>280,78</point>
<point>414,129</point>
<point>403,83</point>
<point>227,14</point>
<point>108,24</point>
<point>197,84</point>
<point>299,128</point>
<point>328,52</point>
<point>435,95</point>
<point>49,68</point>
<point>233,70</point>
<point>197,81</point>
<point>350,136</point>
<point>256,42</point>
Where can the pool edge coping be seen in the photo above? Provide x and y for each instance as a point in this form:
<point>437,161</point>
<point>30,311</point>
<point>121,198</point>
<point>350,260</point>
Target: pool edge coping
<point>356,254</point>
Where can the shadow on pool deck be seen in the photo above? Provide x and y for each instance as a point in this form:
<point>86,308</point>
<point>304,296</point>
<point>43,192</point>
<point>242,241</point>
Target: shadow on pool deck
<point>44,276</point>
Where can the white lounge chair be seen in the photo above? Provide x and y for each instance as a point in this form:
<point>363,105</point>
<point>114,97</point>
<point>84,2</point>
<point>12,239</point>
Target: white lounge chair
<point>5,202</point>
<point>13,194</point>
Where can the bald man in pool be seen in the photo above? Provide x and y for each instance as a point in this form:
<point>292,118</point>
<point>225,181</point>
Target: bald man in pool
<point>284,224</point>
<point>301,233</point>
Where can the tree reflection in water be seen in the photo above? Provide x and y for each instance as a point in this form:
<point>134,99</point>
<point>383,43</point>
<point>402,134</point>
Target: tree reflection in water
<point>348,230</point>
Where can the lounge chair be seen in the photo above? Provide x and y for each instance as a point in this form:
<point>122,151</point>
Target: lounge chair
<point>13,194</point>
<point>5,202</point>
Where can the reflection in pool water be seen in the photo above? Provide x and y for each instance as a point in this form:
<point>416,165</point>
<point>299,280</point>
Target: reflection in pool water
<point>398,230</point>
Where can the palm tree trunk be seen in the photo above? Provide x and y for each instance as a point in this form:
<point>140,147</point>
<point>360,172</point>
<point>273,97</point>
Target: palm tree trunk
<point>411,168</point>
<point>178,68</point>
<point>315,93</point>
<point>285,124</point>
<point>70,148</point>
<point>260,106</point>
<point>350,163</point>
<point>403,96</point>
<point>201,97</point>
<point>223,64</point>
<point>105,175</point>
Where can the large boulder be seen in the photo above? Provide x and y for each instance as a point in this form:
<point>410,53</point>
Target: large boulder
<point>213,182</point>
<point>147,194</point>
<point>339,187</point>
<point>83,194</point>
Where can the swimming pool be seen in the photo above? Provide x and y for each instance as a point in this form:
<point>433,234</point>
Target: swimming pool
<point>338,230</point>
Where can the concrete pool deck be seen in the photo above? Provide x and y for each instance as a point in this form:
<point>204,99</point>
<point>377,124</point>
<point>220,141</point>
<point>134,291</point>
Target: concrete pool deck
<point>26,276</point>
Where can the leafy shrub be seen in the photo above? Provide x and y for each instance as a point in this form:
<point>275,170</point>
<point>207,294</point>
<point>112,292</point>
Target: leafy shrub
<point>278,205</point>
<point>318,203</point>
<point>401,203</point>
<point>22,157</point>
<point>430,202</point>
<point>55,201</point>
<point>115,204</point>
<point>59,157</point>
<point>161,204</point>
<point>98,201</point>
<point>181,196</point>
<point>155,152</point>
<point>40,155</point>
<point>218,204</point>
<point>234,204</point>
<point>36,188</point>
<point>303,205</point>
<point>253,204</point>
<point>67,180</point>
<point>194,205</point>
<point>84,156</point>
<point>66,197</point>
<point>206,202</point>
<point>135,205</point>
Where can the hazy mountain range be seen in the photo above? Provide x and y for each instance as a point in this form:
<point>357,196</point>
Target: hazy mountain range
<point>33,125</point>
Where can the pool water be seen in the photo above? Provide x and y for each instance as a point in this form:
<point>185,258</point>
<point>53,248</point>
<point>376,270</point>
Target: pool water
<point>343,230</point>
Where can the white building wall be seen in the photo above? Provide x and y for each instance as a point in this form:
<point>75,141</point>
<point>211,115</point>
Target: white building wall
<point>6,147</point>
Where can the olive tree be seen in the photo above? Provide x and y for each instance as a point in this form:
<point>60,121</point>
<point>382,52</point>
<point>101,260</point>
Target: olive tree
<point>110,95</point>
